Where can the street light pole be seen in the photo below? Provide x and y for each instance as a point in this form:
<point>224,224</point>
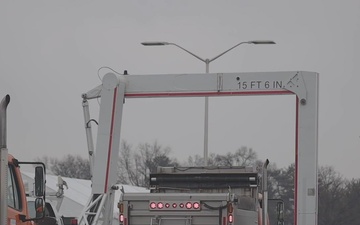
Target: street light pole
<point>207,63</point>
<point>206,120</point>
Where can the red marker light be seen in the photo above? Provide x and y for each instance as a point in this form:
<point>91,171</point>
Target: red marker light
<point>230,218</point>
<point>121,207</point>
<point>188,205</point>
<point>160,205</point>
<point>196,205</point>
<point>153,205</point>
<point>121,218</point>
<point>230,208</point>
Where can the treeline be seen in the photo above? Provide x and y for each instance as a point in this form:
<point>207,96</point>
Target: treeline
<point>338,197</point>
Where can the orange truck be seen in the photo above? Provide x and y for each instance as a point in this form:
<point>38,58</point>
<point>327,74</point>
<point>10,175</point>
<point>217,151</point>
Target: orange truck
<point>13,204</point>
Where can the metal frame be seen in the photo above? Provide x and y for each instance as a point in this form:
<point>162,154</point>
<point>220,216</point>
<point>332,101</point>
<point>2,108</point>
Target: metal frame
<point>115,88</point>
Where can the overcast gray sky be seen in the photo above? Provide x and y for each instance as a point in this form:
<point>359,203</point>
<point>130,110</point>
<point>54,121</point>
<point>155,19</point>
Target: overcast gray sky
<point>50,53</point>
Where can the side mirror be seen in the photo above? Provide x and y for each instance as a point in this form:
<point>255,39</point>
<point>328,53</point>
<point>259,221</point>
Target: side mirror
<point>280,212</point>
<point>39,208</point>
<point>39,181</point>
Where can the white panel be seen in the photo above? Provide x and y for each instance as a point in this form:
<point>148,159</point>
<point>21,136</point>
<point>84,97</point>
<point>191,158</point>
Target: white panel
<point>104,174</point>
<point>195,83</point>
<point>307,195</point>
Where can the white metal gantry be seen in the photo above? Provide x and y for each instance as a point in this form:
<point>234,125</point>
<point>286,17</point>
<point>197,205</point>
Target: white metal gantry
<point>115,88</point>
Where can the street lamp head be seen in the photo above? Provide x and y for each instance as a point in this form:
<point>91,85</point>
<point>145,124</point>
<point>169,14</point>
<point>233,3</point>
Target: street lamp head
<point>262,42</point>
<point>154,43</point>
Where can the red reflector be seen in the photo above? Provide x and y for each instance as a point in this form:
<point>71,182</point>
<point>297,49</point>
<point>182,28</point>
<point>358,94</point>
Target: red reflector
<point>74,222</point>
<point>121,218</point>
<point>181,205</point>
<point>160,205</point>
<point>167,205</point>
<point>230,218</point>
<point>153,205</point>
<point>174,205</point>
<point>196,205</point>
<point>121,207</point>
<point>230,208</point>
<point>188,205</point>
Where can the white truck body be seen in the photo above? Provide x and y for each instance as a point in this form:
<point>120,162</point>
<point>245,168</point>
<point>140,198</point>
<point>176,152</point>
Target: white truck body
<point>160,209</point>
<point>195,196</point>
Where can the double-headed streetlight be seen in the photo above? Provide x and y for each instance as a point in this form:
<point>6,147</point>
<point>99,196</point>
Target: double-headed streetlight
<point>207,62</point>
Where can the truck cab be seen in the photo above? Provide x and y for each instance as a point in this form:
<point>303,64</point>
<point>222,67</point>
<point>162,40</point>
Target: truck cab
<point>17,207</point>
<point>16,200</point>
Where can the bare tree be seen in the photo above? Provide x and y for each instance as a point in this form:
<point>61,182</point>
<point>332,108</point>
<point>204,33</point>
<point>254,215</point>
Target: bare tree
<point>245,156</point>
<point>351,202</point>
<point>69,166</point>
<point>281,186</point>
<point>242,157</point>
<point>332,208</point>
<point>127,174</point>
<point>150,157</point>
<point>135,167</point>
<point>194,161</point>
<point>223,160</point>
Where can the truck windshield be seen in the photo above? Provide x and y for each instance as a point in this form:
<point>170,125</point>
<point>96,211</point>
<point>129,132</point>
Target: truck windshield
<point>13,189</point>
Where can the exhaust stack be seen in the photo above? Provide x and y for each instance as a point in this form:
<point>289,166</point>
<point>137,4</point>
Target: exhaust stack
<point>3,106</point>
<point>265,194</point>
<point>3,160</point>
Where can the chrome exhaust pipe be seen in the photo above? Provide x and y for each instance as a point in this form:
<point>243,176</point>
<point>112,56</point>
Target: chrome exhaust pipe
<point>3,161</point>
<point>265,194</point>
<point>3,105</point>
